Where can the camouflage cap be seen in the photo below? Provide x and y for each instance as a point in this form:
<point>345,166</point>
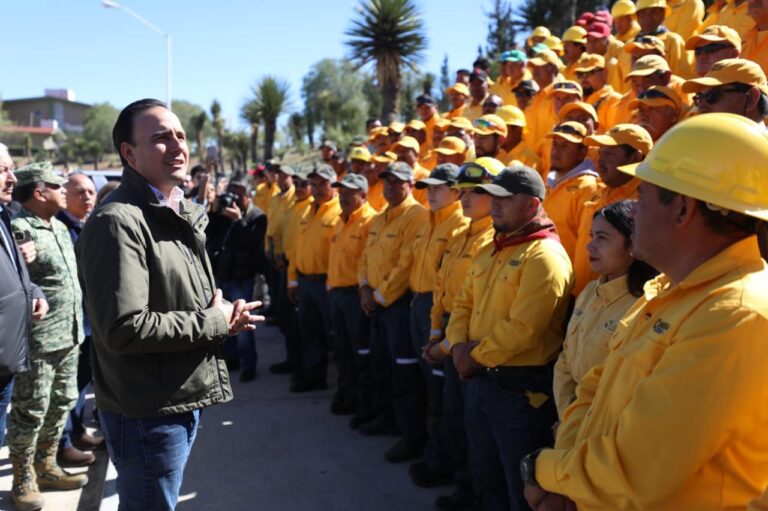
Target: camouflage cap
<point>324,171</point>
<point>353,182</point>
<point>400,170</point>
<point>41,172</point>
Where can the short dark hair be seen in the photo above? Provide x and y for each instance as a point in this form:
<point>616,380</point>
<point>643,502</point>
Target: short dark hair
<point>762,105</point>
<point>197,169</point>
<point>619,215</point>
<point>370,121</point>
<point>482,63</point>
<point>22,194</point>
<point>123,130</point>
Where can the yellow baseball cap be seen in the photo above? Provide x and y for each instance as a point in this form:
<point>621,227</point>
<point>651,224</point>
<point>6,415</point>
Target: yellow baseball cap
<point>381,131</point>
<point>451,145</point>
<point>623,8</point>
<point>462,123</point>
<point>729,71</point>
<point>416,124</point>
<point>490,124</point>
<point>623,134</point>
<point>408,142</point>
<point>589,62</point>
<point>714,34</point>
<point>648,4</point>
<point>441,123</point>
<point>512,116</point>
<point>571,131</point>
<point>647,65</point>
<point>575,34</point>
<point>385,157</point>
<point>360,153</point>
<point>567,87</point>
<point>578,105</point>
<point>658,96</point>
<point>646,42</point>
<point>396,127</point>
<point>546,57</point>
<point>458,88</point>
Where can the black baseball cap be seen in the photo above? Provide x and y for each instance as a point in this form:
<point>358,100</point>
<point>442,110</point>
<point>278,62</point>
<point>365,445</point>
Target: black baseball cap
<point>513,180</point>
<point>445,173</point>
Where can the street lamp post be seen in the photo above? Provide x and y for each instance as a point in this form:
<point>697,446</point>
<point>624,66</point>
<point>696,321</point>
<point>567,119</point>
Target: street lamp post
<point>110,4</point>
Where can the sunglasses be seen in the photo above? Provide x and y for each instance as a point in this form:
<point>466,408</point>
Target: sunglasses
<point>708,49</point>
<point>565,86</point>
<point>653,94</point>
<point>570,130</point>
<point>713,96</point>
<point>585,74</point>
<point>646,40</point>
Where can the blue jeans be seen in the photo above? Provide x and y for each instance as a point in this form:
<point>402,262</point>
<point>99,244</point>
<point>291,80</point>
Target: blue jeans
<point>315,324</point>
<point>243,346</point>
<point>6,390</point>
<point>149,456</point>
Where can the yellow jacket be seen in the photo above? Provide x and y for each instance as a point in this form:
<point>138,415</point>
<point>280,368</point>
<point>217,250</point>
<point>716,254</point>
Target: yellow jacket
<point>755,47</point>
<point>293,218</point>
<point>686,17</point>
<point>565,202</point>
<point>376,197</point>
<point>456,112</point>
<point>314,237</point>
<point>459,252</point>
<point>388,254</point>
<point>263,195</point>
<point>680,60</point>
<point>731,15</point>
<point>347,245</point>
<point>429,245</point>
<point>503,88</point>
<point>581,268</point>
<point>523,153</point>
<point>473,111</point>
<point>675,418</point>
<point>595,317</point>
<point>514,303</point>
<point>605,101</point>
<point>428,160</point>
<point>623,114</point>
<point>278,207</point>
<point>420,172</point>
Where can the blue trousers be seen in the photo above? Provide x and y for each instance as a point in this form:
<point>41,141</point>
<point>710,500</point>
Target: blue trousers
<point>502,427</point>
<point>315,323</point>
<point>6,390</point>
<point>150,456</point>
<point>242,346</point>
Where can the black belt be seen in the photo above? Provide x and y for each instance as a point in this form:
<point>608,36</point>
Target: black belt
<point>347,290</point>
<point>315,277</point>
<point>417,295</point>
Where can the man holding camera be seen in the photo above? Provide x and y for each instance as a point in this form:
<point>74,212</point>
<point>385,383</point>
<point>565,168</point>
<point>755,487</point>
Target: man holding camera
<point>236,245</point>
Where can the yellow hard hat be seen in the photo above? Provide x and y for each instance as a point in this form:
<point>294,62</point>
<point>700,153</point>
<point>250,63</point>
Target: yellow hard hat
<point>647,4</point>
<point>541,32</point>
<point>555,44</point>
<point>716,158</point>
<point>623,8</point>
<point>512,116</point>
<point>575,34</point>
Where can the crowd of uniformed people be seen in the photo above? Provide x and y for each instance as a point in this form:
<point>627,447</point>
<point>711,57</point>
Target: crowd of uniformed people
<point>552,293</point>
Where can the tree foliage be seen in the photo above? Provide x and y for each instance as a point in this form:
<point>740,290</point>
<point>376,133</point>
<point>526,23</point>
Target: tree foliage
<point>193,119</point>
<point>446,80</point>
<point>98,124</point>
<point>389,34</point>
<point>501,29</point>
<point>335,101</point>
<point>557,15</point>
<point>271,97</point>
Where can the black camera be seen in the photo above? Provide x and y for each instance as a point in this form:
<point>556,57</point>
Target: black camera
<point>227,200</point>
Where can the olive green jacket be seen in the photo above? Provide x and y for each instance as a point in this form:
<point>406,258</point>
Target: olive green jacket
<point>148,286</point>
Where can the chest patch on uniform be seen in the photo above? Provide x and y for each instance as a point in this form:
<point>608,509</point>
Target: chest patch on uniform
<point>611,325</point>
<point>514,263</point>
<point>391,235</point>
<point>660,326</point>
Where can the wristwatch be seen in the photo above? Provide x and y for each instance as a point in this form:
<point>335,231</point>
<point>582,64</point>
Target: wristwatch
<point>528,468</point>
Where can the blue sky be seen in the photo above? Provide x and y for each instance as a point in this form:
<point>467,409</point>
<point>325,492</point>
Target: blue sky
<point>219,48</point>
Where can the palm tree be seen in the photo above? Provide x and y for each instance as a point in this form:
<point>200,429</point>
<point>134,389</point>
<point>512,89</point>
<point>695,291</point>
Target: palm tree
<point>250,113</point>
<point>218,125</point>
<point>390,33</point>
<point>271,98</point>
<point>198,123</point>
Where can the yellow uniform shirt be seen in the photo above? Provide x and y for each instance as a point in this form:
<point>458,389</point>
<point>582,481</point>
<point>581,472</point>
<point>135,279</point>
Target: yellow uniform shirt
<point>278,207</point>
<point>680,60</point>
<point>623,114</point>
<point>376,197</point>
<point>473,110</point>
<point>541,115</point>
<point>523,153</point>
<point>605,101</point>
<point>263,196</point>
<point>595,317</point>
<point>347,246</point>
<point>755,47</point>
<point>618,64</point>
<point>514,303</point>
<point>675,418</point>
<point>420,172</point>
<point>503,88</point>
<point>429,245</point>
<point>428,160</point>
<point>629,34</point>
<point>388,256</point>
<point>565,202</point>
<point>459,252</point>
<point>429,127</point>
<point>686,17</point>
<point>732,15</point>
<point>293,218</point>
<point>581,268</point>
<point>456,112</point>
<point>314,237</point>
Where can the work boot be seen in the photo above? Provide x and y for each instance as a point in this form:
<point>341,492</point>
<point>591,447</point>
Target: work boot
<point>50,475</point>
<point>73,457</point>
<point>25,493</point>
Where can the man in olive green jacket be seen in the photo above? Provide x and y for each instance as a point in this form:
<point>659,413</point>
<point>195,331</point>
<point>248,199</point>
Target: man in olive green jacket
<point>158,320</point>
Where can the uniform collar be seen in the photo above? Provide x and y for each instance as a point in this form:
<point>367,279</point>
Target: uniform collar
<point>606,89</point>
<point>325,206</point>
<point>611,290</point>
<point>305,201</point>
<point>392,213</point>
<point>34,220</point>
<point>289,193</point>
<point>441,215</point>
<point>626,190</point>
<point>736,257</point>
<point>358,213</point>
<point>585,167</point>
<point>478,226</point>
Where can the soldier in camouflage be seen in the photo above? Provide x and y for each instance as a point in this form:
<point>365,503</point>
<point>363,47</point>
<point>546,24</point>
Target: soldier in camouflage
<point>43,396</point>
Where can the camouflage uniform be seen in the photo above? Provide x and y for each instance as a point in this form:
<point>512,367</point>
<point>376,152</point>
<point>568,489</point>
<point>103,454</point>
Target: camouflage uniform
<point>43,396</point>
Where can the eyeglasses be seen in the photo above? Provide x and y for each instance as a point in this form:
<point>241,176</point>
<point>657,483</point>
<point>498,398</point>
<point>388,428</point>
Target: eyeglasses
<point>711,48</point>
<point>714,96</point>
